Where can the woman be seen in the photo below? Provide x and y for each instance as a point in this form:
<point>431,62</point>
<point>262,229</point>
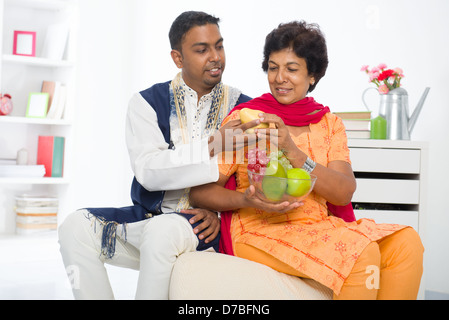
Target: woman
<point>303,240</point>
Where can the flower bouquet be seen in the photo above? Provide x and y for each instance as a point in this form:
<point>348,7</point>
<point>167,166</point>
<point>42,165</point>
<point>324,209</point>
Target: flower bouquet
<point>385,79</point>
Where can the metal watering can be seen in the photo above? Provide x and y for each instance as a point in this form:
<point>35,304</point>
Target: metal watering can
<point>394,108</point>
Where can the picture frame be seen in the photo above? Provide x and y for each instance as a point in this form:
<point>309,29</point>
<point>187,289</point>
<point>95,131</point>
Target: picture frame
<point>24,43</point>
<point>37,105</point>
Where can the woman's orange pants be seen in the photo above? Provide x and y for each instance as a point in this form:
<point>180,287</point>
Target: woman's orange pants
<point>388,269</point>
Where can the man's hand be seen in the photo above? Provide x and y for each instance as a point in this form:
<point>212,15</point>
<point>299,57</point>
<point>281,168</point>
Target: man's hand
<point>232,137</point>
<point>210,226</point>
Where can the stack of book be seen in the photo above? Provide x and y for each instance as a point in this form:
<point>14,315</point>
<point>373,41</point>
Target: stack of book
<point>357,124</point>
<point>50,154</point>
<point>36,214</point>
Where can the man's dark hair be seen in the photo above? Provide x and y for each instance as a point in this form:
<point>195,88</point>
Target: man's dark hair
<point>306,40</point>
<point>186,21</point>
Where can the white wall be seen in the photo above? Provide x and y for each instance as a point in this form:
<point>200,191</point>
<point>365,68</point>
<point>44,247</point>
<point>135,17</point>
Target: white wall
<point>124,48</point>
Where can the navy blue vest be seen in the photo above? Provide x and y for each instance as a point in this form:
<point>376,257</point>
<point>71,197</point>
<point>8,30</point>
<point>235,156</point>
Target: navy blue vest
<point>144,201</point>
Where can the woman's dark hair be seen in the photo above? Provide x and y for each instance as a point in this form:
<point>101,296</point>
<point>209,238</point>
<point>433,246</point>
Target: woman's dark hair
<point>306,40</point>
<point>184,22</point>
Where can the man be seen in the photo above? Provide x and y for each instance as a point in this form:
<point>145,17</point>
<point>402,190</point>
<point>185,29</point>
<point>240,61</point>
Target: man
<point>172,139</point>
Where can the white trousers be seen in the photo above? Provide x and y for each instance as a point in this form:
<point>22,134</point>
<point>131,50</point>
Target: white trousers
<point>151,246</point>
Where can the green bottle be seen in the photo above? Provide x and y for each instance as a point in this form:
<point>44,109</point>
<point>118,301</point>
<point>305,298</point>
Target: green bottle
<point>378,128</point>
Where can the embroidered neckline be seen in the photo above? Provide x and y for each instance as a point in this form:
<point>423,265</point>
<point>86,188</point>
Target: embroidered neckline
<point>178,118</point>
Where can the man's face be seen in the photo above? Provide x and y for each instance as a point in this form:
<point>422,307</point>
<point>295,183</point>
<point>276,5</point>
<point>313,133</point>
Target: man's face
<point>202,58</point>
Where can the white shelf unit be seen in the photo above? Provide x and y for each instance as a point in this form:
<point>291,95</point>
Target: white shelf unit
<point>391,183</point>
<point>21,75</point>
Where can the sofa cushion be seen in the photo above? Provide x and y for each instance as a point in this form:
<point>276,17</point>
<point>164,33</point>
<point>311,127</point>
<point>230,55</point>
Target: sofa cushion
<point>215,276</point>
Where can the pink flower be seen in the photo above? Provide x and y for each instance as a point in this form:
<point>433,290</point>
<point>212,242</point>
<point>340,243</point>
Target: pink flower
<point>373,75</point>
<point>382,66</point>
<point>383,89</point>
<point>399,72</point>
<point>364,68</point>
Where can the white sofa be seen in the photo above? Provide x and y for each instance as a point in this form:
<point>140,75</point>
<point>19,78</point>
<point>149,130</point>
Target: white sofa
<point>214,276</point>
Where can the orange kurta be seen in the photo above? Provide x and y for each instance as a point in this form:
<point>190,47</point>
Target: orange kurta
<point>322,247</point>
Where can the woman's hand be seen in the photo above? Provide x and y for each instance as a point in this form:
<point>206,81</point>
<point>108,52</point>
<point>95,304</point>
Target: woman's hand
<point>336,182</point>
<point>254,201</point>
<point>279,136</point>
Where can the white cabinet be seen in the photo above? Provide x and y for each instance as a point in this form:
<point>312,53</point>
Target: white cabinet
<point>21,75</point>
<point>391,183</point>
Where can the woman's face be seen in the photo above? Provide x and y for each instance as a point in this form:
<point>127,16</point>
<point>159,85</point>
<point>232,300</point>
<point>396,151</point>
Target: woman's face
<point>288,76</point>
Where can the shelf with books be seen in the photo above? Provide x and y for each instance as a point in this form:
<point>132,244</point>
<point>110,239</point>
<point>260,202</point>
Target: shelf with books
<point>49,163</point>
<point>55,23</point>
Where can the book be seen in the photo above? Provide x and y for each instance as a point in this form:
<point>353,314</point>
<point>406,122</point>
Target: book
<point>58,98</point>
<point>354,115</point>
<point>62,99</point>
<point>357,124</point>
<point>50,87</point>
<point>50,153</point>
<point>360,134</point>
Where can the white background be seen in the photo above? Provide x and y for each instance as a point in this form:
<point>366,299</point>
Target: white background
<point>124,48</point>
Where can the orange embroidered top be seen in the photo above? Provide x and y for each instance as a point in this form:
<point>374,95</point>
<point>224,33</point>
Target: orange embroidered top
<point>322,247</point>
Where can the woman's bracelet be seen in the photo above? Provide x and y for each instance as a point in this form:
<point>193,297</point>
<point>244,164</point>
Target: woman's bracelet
<point>309,165</point>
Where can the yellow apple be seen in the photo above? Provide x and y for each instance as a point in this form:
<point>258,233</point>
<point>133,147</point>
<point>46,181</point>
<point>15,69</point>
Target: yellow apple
<point>300,187</point>
<point>247,115</point>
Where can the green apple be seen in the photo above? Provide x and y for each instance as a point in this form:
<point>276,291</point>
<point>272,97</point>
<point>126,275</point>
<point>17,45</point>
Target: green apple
<point>275,169</point>
<point>273,187</point>
<point>300,187</point>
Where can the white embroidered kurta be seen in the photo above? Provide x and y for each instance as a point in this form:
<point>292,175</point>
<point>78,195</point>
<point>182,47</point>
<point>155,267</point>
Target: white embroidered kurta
<point>158,168</point>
